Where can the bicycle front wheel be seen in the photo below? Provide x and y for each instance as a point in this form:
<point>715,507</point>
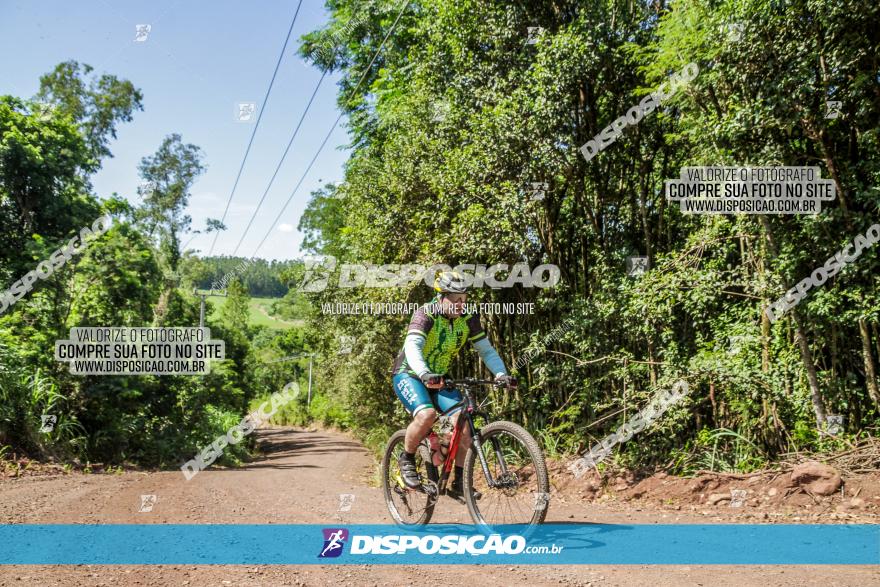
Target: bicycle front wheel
<point>521,487</point>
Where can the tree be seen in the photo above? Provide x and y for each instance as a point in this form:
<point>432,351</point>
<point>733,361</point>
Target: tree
<point>236,311</point>
<point>170,174</point>
<point>460,115</point>
<point>96,105</point>
<point>322,221</point>
<point>43,189</point>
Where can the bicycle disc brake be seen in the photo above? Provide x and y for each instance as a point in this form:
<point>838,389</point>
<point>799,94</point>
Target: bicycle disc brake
<point>508,483</point>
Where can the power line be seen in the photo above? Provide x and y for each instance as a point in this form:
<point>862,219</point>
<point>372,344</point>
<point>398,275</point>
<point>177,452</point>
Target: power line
<point>278,167</point>
<point>257,125</point>
<point>405,3</point>
<point>299,183</point>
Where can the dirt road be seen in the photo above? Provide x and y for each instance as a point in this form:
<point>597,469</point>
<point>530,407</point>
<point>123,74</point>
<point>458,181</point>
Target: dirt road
<point>300,480</point>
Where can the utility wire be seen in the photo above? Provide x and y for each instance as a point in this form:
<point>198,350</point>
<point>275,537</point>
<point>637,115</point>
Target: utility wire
<point>278,167</point>
<point>405,3</point>
<point>299,183</point>
<point>257,125</point>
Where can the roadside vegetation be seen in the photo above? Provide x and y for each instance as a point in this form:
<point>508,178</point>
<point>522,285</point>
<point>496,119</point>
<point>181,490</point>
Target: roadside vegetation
<point>457,119</point>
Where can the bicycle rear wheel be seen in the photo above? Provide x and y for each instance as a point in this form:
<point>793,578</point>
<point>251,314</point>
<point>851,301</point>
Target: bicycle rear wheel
<point>517,465</point>
<point>409,507</point>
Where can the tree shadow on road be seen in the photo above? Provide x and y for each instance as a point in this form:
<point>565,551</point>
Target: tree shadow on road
<point>276,446</point>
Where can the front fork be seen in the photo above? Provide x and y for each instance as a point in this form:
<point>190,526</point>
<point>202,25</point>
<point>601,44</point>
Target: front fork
<point>478,446</point>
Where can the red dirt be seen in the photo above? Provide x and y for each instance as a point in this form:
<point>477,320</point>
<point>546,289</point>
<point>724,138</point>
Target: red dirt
<point>302,474</point>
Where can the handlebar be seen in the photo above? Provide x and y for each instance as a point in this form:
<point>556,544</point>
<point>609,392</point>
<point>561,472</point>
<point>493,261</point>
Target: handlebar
<point>449,383</point>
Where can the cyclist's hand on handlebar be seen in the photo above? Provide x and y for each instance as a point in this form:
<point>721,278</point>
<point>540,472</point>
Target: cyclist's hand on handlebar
<point>432,380</point>
<point>505,380</point>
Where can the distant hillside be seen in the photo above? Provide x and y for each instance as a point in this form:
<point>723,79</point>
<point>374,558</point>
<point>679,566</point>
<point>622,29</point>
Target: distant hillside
<point>263,279</point>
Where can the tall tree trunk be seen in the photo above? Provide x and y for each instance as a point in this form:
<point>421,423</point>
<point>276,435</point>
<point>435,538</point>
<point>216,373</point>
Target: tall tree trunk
<point>765,343</point>
<point>714,405</point>
<point>870,370</point>
<point>807,359</point>
<point>831,164</point>
<point>821,135</point>
<point>800,338</point>
<point>834,354</point>
<point>765,321</point>
<point>876,337</point>
<point>643,208</point>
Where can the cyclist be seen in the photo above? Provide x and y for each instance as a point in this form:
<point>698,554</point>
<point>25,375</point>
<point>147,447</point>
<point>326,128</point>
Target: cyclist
<point>436,333</point>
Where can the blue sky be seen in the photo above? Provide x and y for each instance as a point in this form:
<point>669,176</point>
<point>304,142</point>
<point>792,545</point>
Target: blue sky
<point>200,59</point>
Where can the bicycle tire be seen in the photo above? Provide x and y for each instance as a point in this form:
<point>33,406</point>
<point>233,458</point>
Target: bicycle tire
<point>536,454</point>
<point>389,465</point>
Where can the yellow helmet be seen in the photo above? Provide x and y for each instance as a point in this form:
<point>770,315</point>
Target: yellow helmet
<point>450,282</point>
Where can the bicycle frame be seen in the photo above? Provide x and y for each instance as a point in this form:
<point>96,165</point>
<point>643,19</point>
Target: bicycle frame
<point>466,418</point>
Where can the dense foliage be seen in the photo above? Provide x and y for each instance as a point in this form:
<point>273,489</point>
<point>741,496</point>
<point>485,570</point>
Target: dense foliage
<point>460,114</point>
<point>133,275</point>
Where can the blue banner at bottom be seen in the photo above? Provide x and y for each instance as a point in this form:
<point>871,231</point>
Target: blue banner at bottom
<point>556,544</point>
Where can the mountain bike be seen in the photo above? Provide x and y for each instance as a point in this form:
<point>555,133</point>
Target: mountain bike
<point>511,475</point>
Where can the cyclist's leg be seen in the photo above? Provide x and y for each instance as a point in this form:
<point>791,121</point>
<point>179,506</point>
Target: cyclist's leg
<point>446,398</point>
<point>423,419</point>
<point>415,398</point>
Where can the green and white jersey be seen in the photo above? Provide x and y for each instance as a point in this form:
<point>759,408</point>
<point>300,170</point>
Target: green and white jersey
<point>443,336</point>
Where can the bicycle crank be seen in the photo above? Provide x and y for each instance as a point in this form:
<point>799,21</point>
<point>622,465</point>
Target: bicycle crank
<point>430,488</point>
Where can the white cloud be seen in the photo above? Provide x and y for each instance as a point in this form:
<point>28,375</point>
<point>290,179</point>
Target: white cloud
<point>285,228</point>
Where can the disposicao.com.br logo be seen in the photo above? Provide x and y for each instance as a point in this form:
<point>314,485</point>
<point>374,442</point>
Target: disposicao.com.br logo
<point>334,540</point>
<point>431,544</point>
<point>318,274</point>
